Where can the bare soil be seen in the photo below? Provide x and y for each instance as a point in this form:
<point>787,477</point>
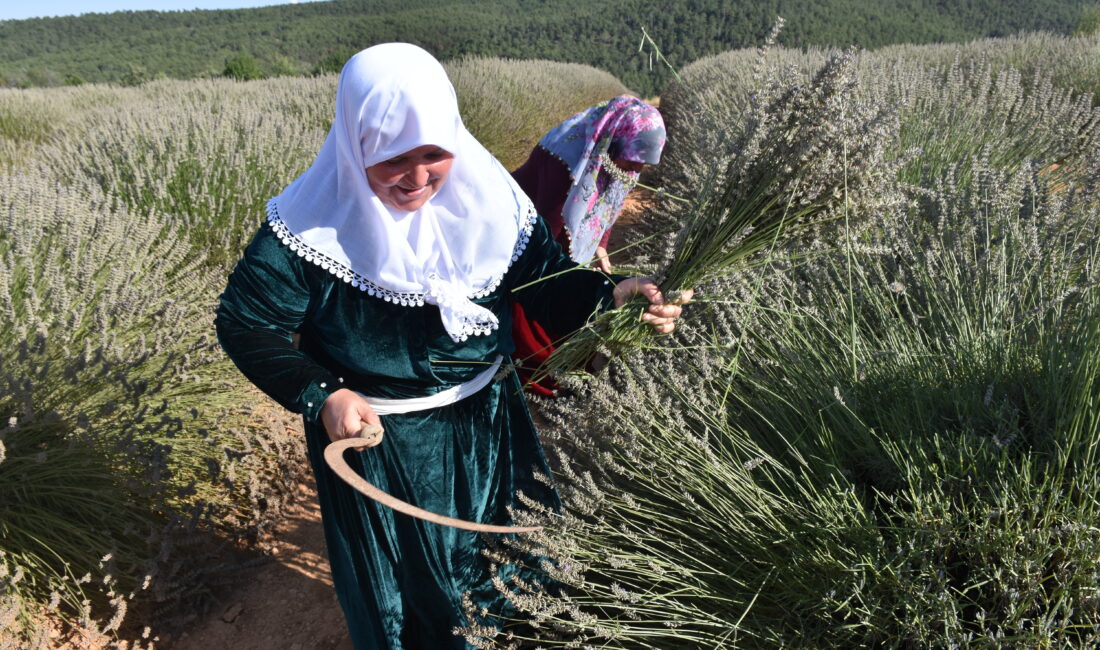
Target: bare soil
<point>287,603</point>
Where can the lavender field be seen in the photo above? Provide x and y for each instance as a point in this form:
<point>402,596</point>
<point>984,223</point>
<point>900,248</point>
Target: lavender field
<point>879,430</point>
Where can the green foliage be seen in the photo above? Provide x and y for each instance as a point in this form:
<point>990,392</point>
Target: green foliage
<point>134,74</point>
<point>186,44</point>
<point>884,436</point>
<point>282,66</point>
<point>332,62</point>
<point>1089,23</point>
<point>242,67</point>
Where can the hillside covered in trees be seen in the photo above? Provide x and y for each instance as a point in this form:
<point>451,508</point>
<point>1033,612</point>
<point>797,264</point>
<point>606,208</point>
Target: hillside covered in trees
<point>131,46</point>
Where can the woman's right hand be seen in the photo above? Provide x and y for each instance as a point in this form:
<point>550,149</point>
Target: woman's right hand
<point>660,315</point>
<point>345,412</point>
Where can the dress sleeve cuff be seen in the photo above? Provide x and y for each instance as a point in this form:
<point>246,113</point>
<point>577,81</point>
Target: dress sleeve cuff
<point>313,397</point>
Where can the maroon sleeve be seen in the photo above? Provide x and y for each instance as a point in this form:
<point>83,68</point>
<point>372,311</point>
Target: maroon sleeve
<point>546,180</point>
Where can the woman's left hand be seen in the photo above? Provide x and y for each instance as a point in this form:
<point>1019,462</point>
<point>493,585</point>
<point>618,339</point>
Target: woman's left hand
<point>602,260</point>
<point>660,315</point>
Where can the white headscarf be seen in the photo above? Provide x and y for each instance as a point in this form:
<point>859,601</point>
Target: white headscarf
<point>390,99</point>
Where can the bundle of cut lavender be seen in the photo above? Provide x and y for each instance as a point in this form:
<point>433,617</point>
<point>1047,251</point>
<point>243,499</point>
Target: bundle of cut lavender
<point>808,150</point>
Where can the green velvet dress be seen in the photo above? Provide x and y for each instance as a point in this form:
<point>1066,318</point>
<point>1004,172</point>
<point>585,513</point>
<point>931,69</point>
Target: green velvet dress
<point>399,579</point>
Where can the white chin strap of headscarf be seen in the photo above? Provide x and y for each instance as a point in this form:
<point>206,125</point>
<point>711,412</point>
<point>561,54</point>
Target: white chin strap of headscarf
<point>461,316</point>
<point>453,249</point>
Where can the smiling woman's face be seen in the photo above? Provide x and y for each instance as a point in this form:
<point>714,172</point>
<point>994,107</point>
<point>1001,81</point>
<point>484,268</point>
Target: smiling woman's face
<point>409,180</point>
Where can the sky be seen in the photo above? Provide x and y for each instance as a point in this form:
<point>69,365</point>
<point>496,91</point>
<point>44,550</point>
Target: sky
<point>17,9</point>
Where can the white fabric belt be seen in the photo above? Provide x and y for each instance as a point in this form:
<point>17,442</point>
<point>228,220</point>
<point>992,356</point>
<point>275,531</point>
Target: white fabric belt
<point>383,406</point>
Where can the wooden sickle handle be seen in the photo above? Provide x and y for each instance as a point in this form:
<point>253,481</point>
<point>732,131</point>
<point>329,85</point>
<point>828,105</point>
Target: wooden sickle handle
<point>334,456</point>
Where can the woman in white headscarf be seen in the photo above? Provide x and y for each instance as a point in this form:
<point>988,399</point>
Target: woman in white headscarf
<point>397,256</point>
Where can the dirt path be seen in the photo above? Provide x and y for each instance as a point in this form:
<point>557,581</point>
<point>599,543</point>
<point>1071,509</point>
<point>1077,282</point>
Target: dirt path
<point>287,603</point>
<point>637,201</point>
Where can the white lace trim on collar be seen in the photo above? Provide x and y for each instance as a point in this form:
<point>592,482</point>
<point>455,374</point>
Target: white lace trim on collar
<point>404,298</point>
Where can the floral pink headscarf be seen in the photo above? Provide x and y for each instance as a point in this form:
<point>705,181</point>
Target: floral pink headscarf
<point>621,128</point>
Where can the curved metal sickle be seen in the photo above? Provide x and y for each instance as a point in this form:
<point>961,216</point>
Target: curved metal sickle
<point>334,456</point>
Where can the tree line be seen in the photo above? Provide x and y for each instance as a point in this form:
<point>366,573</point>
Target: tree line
<point>132,46</point>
